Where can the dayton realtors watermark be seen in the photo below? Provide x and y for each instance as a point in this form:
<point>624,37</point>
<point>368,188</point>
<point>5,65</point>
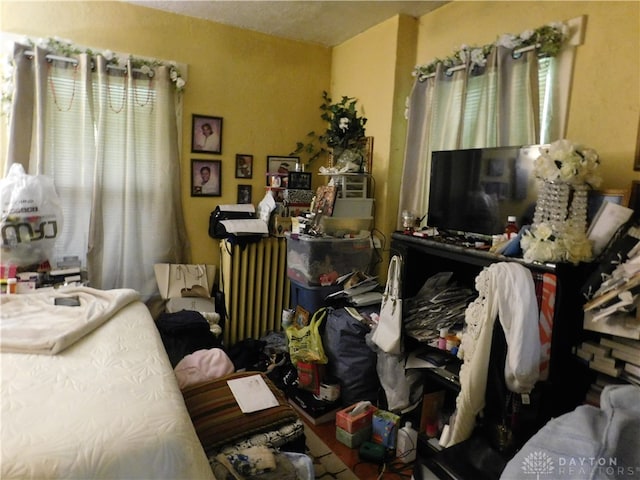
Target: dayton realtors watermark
<point>542,465</point>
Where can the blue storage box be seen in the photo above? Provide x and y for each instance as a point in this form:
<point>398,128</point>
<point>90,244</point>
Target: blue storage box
<point>310,298</point>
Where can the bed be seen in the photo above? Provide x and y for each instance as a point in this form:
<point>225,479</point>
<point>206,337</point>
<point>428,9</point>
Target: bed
<point>88,391</point>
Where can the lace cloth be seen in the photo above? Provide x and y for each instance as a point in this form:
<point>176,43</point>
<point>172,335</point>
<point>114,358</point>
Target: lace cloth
<point>506,290</point>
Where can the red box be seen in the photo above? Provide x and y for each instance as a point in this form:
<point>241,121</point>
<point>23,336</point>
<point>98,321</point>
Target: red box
<point>354,423</point>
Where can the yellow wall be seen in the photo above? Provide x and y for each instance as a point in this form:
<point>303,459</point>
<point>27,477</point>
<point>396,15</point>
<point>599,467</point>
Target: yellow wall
<point>375,68</point>
<point>267,89</point>
<point>604,108</point>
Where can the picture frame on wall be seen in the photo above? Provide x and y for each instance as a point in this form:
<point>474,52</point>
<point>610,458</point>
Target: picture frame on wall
<point>244,165</point>
<point>244,193</point>
<point>278,169</point>
<point>206,178</point>
<point>282,165</point>
<point>206,134</point>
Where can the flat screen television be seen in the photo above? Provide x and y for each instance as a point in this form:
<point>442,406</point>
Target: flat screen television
<point>473,191</point>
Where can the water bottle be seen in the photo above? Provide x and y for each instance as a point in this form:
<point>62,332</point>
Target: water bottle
<point>407,443</point>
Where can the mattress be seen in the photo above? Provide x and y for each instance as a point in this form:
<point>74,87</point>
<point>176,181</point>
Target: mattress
<point>107,406</point>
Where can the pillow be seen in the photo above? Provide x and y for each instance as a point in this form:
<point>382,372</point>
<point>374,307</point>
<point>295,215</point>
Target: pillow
<point>217,418</point>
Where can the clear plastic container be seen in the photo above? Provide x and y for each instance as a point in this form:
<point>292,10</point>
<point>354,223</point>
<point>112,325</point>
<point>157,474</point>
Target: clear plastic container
<point>314,261</point>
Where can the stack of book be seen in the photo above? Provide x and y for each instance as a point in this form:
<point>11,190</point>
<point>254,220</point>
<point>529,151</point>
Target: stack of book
<point>65,276</point>
<point>595,389</point>
<point>612,289</point>
<point>616,357</point>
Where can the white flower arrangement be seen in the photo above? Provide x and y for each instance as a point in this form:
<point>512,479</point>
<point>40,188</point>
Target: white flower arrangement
<point>548,39</point>
<point>558,233</point>
<point>66,48</point>
<point>568,163</point>
<point>541,244</point>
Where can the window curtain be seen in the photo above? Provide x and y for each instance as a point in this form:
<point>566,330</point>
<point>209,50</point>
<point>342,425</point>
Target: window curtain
<point>109,141</point>
<point>472,106</point>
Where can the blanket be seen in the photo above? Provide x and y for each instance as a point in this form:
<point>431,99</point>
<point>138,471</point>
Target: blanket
<point>587,443</point>
<point>33,323</point>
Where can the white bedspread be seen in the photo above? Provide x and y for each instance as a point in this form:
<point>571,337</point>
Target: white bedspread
<point>108,406</point>
<point>33,323</point>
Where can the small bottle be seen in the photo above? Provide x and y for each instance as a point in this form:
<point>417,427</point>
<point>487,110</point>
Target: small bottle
<point>407,443</point>
<point>442,341</point>
<point>12,285</point>
<point>511,230</point>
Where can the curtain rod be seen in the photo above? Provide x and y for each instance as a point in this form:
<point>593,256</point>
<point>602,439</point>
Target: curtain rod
<point>516,52</point>
<point>50,57</point>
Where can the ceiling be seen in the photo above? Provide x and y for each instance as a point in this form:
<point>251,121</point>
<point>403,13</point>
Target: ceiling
<point>327,23</point>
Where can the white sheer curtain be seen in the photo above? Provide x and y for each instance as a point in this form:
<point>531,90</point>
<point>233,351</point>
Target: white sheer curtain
<point>498,104</point>
<point>109,141</point>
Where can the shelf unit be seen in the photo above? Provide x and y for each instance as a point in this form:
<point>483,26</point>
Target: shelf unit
<point>352,185</point>
<point>568,380</point>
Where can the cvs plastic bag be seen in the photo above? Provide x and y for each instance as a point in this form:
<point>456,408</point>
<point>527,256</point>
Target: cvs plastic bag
<point>305,342</point>
<point>30,217</point>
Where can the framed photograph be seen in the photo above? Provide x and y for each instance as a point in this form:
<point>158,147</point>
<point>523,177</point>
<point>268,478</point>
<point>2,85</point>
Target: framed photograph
<point>244,165</point>
<point>206,178</point>
<point>325,199</point>
<point>300,180</point>
<point>206,134</point>
<point>244,193</point>
<point>282,165</point>
<point>598,197</point>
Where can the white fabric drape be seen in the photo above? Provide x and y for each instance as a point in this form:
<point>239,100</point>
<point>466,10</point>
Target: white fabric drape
<point>498,106</point>
<point>114,160</point>
<point>505,291</point>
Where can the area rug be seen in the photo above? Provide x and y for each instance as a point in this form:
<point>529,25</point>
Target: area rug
<point>326,464</point>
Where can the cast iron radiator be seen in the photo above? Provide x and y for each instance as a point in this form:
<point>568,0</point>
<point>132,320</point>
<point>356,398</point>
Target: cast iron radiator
<point>256,287</point>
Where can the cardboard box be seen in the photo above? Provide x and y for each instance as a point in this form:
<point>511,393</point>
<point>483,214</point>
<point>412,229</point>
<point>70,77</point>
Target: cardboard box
<point>353,440</point>
<point>385,428</point>
<point>353,423</point>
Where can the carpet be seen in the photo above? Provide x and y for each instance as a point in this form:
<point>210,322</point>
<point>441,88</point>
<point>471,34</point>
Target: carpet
<point>326,464</point>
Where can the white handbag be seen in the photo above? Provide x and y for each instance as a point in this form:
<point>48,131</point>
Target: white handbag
<point>177,280</point>
<point>387,334</point>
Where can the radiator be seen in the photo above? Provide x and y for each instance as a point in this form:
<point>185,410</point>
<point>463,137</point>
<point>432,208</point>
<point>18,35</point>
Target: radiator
<point>256,287</point>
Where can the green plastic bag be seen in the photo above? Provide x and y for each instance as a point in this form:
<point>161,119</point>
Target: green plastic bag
<point>305,342</point>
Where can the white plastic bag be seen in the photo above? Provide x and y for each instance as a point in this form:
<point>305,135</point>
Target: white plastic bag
<point>31,218</point>
<point>402,387</point>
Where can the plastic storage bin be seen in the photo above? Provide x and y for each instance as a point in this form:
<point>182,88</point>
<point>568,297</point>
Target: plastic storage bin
<point>314,261</point>
<point>310,298</point>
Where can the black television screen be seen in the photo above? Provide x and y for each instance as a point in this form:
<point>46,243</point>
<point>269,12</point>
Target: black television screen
<point>473,191</point>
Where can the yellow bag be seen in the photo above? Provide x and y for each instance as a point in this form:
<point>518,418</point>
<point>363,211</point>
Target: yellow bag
<point>305,343</point>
